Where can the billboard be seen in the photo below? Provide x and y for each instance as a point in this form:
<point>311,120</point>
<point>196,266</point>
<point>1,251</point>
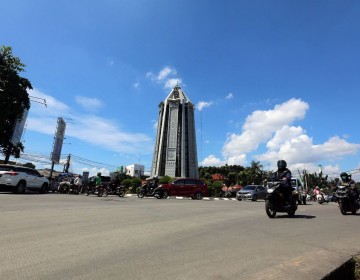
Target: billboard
<point>58,140</point>
<point>18,129</point>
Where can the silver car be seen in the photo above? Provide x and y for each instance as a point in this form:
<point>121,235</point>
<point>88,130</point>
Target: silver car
<point>251,192</point>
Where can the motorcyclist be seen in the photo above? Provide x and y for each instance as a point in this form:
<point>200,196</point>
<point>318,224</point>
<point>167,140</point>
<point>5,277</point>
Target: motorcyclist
<point>283,174</point>
<point>78,181</point>
<point>154,184</point>
<point>353,191</point>
<point>98,180</point>
<point>317,191</point>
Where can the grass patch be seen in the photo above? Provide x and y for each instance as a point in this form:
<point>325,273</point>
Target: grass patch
<point>357,267</point>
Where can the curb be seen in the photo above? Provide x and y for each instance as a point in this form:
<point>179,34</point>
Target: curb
<point>185,197</point>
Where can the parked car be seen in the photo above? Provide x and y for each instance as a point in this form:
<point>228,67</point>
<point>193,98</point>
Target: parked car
<point>251,192</point>
<point>18,179</point>
<point>194,188</point>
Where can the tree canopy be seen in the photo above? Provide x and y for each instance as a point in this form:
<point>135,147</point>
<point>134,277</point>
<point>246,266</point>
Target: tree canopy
<point>14,99</point>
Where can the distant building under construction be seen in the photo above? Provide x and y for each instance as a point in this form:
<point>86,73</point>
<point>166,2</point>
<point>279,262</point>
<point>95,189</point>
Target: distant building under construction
<point>175,152</point>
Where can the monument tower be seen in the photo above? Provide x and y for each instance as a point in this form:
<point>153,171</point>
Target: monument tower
<point>175,152</point>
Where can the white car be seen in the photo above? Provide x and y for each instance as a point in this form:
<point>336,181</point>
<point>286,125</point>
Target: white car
<point>19,178</point>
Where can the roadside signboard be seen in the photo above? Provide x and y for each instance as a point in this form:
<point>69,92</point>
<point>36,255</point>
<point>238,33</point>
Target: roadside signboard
<point>58,140</point>
<point>18,129</point>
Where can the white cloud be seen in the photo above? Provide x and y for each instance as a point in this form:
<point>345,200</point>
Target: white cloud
<point>237,160</point>
<point>211,160</point>
<point>155,124</point>
<point>203,104</point>
<point>229,96</point>
<point>165,72</point>
<point>171,83</point>
<point>292,144</point>
<point>260,126</point>
<point>166,76</point>
<point>53,106</point>
<point>89,103</point>
<point>274,130</point>
<point>136,85</point>
<point>150,75</point>
<point>83,127</point>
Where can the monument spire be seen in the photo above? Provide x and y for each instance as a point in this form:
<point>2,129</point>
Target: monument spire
<point>175,152</point>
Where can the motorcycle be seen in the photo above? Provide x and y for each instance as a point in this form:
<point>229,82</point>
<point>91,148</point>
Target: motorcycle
<point>345,202</point>
<point>75,189</point>
<point>321,198</point>
<point>275,201</point>
<point>160,193</point>
<point>147,190</point>
<point>120,191</point>
<point>63,187</point>
<point>113,189</point>
<point>99,190</point>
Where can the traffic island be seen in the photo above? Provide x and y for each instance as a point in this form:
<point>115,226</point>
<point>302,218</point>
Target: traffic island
<point>349,270</point>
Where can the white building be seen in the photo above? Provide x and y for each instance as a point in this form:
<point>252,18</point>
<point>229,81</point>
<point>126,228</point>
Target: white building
<point>135,170</point>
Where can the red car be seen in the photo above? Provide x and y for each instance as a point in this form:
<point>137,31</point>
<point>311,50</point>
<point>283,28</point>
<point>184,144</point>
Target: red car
<point>194,188</point>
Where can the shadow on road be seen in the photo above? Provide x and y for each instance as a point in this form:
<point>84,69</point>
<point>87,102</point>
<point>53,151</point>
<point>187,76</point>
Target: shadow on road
<point>295,216</point>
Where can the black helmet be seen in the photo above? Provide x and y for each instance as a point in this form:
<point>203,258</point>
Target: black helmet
<point>281,164</point>
<point>345,177</point>
<point>99,174</point>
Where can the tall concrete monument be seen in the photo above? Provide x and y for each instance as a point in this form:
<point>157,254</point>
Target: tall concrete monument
<point>175,152</point>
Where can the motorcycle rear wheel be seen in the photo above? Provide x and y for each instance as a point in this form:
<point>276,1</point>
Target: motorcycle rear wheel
<point>269,209</point>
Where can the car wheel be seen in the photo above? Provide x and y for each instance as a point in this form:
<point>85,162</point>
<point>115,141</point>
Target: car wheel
<point>199,196</point>
<point>43,188</point>
<point>20,188</point>
<point>239,199</point>
<point>254,198</point>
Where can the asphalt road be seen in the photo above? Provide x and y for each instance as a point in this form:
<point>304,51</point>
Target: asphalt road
<point>57,236</point>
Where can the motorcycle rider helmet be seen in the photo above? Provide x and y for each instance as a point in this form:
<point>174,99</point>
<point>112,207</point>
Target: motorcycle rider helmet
<point>317,187</point>
<point>281,164</point>
<point>98,174</point>
<point>345,177</point>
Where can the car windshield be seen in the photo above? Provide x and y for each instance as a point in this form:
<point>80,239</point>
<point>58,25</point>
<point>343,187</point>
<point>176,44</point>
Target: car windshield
<point>249,188</point>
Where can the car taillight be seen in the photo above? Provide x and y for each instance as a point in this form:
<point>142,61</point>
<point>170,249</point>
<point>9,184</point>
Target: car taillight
<point>11,173</point>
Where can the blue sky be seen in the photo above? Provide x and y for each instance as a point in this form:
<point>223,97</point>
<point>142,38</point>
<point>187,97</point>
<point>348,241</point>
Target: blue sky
<point>270,79</point>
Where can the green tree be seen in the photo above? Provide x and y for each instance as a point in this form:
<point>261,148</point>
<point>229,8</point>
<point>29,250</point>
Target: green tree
<point>126,183</point>
<point>14,99</point>
<point>29,164</point>
<point>217,188</point>
<point>136,182</point>
<point>165,179</point>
